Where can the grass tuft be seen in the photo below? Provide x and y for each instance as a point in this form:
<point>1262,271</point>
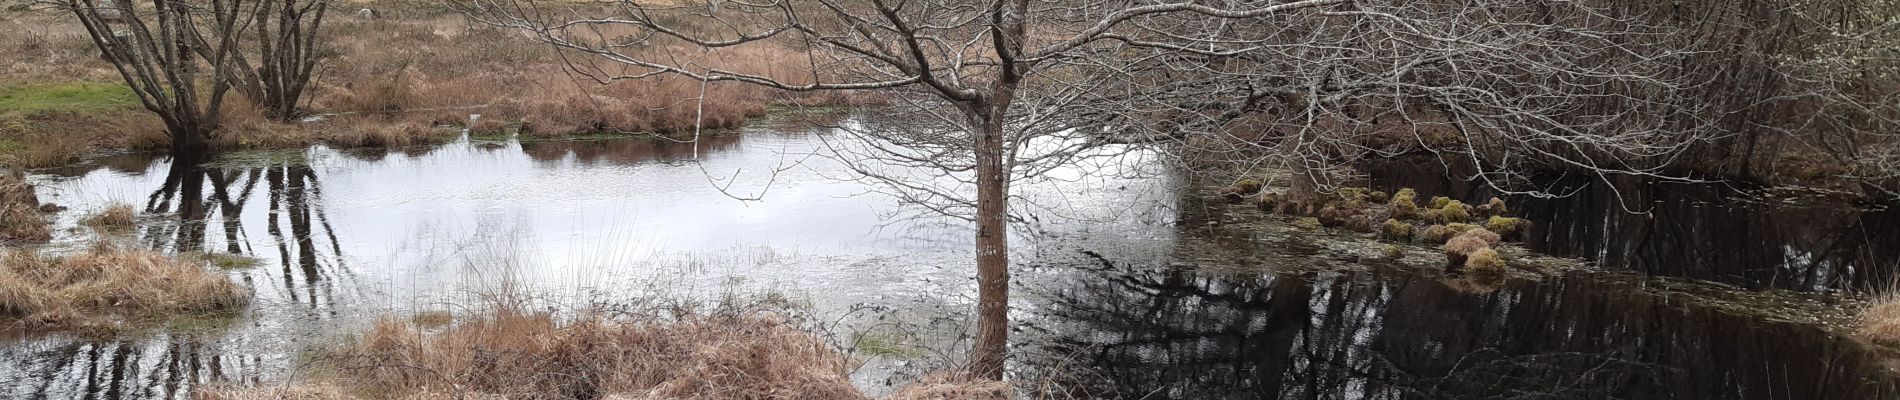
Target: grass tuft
<point>947,386</point>
<point>107,285</point>
<point>20,216</point>
<point>508,353</point>
<point>116,217</point>
<point>1880,321</point>
<point>432,319</point>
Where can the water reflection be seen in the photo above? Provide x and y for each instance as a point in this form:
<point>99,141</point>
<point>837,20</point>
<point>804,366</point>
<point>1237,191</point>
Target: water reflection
<point>163,367</point>
<point>347,236</point>
<point>1124,331</point>
<point>1728,232</point>
<point>1116,299</point>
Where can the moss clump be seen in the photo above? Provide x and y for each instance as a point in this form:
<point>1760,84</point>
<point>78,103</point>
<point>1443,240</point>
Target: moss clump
<point>1394,252</point>
<point>1440,201</point>
<point>1454,211</point>
<point>1433,216</point>
<point>1249,186</point>
<point>1393,229</point>
<point>1332,216</point>
<point>1465,246</point>
<point>1485,261</point>
<point>1378,197</point>
<point>1494,207</point>
<point>1268,202</point>
<point>1353,194</point>
<point>1308,223</point>
<point>1435,234</point>
<point>1361,224</point>
<point>1489,238</point>
<point>1404,205</point>
<point>1506,226</point>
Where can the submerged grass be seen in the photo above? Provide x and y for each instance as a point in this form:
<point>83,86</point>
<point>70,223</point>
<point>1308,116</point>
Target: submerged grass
<point>228,261</point>
<point>108,285</point>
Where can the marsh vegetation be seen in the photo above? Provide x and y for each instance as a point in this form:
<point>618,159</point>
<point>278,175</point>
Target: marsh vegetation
<point>329,199</point>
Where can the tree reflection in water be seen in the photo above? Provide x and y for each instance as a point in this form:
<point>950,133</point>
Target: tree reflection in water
<point>1721,231</point>
<point>291,192</point>
<point>1117,330</point>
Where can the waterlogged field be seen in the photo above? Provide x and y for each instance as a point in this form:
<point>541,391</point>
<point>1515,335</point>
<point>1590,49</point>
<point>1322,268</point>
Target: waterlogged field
<point>1128,283</point>
<point>341,238</point>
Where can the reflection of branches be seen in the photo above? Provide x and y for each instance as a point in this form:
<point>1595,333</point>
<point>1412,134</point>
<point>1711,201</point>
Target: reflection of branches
<point>293,196</point>
<point>1388,334</point>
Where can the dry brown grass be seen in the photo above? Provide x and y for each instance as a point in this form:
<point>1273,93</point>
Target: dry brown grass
<point>107,286</point>
<point>1472,249</point>
<point>20,216</point>
<point>389,82</point>
<point>1485,261</point>
<point>1880,321</point>
<point>296,392</point>
<point>114,217</point>
<point>417,68</point>
<point>725,355</point>
<point>730,352</point>
<point>957,386</point>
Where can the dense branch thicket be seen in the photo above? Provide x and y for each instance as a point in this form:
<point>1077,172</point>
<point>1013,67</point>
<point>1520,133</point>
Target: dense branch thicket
<point>1790,92</point>
<point>1809,89</point>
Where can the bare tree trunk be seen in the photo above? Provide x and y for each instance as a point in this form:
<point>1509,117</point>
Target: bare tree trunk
<point>1304,185</point>
<point>992,247</point>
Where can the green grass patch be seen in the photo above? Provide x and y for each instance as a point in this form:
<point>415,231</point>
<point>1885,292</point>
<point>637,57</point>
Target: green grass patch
<point>71,96</point>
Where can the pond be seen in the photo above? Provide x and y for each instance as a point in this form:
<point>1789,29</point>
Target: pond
<point>1730,231</point>
<point>1127,285</point>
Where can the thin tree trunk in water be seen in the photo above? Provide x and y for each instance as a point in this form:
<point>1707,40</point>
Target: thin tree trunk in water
<point>992,251</point>
<point>1304,185</point>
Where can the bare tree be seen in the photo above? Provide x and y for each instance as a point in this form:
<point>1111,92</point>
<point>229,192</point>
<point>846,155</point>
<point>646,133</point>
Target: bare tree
<point>1001,90</point>
<point>163,48</point>
<point>287,54</point>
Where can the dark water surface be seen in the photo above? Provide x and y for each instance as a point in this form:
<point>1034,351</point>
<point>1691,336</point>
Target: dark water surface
<point>1117,294</point>
<point>1726,231</point>
<point>1372,330</point>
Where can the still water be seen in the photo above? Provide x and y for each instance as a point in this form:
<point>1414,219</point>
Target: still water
<point>1117,294</point>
